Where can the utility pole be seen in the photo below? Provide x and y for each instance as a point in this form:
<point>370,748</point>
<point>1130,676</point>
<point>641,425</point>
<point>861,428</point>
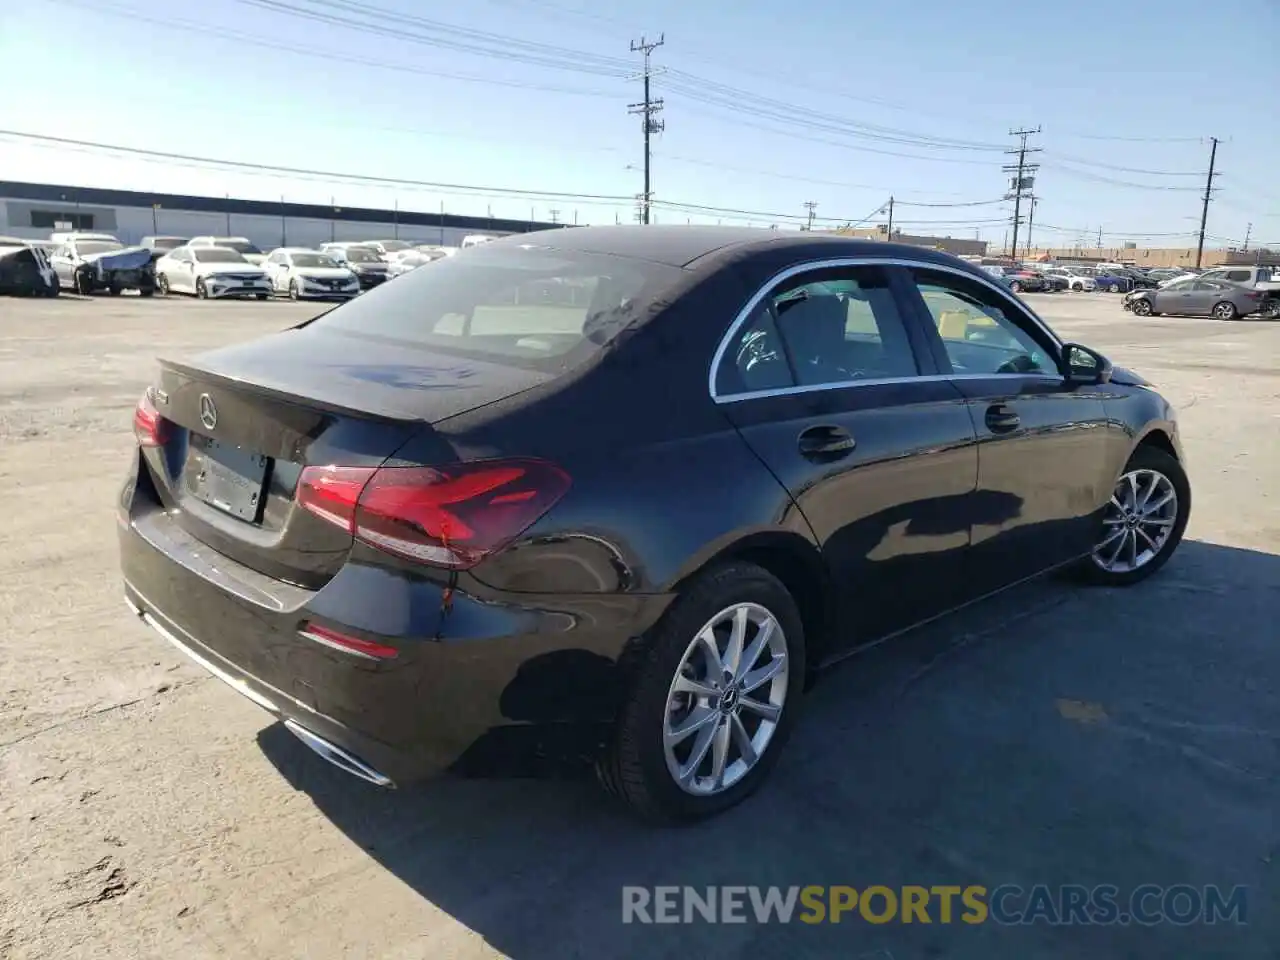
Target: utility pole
<point>396,201</point>
<point>1099,238</point>
<point>1208,195</point>
<point>555,215</point>
<point>1031,220</point>
<point>284,224</point>
<point>811,206</point>
<point>228,214</point>
<point>1247,231</point>
<point>889,229</point>
<point>648,111</point>
<point>1023,178</point>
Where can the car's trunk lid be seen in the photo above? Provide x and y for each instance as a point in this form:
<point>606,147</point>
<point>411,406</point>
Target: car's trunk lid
<point>247,420</point>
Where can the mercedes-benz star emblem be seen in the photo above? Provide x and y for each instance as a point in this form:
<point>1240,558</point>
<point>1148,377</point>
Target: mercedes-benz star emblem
<point>208,412</point>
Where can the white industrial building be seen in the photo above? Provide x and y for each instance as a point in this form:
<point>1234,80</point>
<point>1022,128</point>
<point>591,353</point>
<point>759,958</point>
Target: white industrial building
<point>34,210</point>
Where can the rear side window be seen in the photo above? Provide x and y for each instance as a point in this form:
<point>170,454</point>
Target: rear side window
<point>1238,276</point>
<point>828,327</point>
<point>520,305</point>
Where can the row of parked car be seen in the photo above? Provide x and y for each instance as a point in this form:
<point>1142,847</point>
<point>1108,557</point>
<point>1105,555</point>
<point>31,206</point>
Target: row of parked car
<point>1226,292</point>
<point>211,266</point>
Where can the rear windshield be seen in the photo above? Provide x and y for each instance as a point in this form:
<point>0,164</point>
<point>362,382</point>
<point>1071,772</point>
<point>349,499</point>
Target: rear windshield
<point>313,260</point>
<point>362,255</point>
<point>391,246</point>
<point>241,246</point>
<point>540,309</point>
<point>216,255</point>
<point>97,246</point>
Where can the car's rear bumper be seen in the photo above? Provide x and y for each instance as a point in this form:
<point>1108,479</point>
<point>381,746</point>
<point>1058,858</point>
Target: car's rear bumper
<point>474,668</point>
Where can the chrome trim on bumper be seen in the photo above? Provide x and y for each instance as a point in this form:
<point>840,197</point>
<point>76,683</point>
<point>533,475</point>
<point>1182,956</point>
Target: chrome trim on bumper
<point>317,744</point>
<point>337,756</point>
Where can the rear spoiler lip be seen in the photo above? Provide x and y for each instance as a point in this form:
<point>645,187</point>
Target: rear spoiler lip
<point>285,395</point>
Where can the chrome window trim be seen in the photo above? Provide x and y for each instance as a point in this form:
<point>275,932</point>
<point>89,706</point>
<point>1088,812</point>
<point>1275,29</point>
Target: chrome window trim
<point>826,264</point>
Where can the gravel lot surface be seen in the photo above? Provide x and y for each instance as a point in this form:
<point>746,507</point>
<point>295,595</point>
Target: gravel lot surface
<point>1054,735</point>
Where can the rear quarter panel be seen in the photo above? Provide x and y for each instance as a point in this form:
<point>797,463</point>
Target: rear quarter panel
<point>661,481</point>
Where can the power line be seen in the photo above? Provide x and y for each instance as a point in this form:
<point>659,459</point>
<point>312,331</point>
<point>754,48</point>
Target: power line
<point>648,112</point>
<point>189,26</point>
<point>1071,171</point>
<point>305,172</point>
<point>1108,166</point>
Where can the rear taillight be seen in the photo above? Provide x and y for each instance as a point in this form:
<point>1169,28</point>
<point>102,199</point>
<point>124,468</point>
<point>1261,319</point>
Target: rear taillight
<point>151,429</point>
<point>452,516</point>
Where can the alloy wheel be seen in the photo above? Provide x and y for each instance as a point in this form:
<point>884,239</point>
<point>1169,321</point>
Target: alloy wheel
<point>726,700</point>
<point>1137,521</point>
<point>1142,307</point>
<point>1225,311</point>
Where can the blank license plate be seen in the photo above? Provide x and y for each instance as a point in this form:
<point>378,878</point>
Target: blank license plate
<point>226,477</point>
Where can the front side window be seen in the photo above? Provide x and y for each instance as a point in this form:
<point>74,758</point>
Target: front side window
<point>980,332</point>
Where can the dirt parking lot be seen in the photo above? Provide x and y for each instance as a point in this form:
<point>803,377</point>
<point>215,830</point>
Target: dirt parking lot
<point>1055,735</point>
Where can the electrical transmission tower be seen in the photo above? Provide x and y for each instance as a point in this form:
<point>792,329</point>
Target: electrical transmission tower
<point>1023,179</point>
<point>648,111</point>
<point>811,206</point>
<point>555,215</point>
<point>1208,195</point>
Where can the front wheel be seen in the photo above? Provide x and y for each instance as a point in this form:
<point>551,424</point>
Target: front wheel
<point>1015,287</point>
<point>1226,310</point>
<point>293,289</point>
<point>1143,522</point>
<point>1114,288</point>
<point>162,284</point>
<point>1142,307</point>
<point>202,292</point>
<point>713,697</point>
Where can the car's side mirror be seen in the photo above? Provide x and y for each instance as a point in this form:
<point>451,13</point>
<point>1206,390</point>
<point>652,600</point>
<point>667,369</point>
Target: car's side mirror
<point>1082,365</point>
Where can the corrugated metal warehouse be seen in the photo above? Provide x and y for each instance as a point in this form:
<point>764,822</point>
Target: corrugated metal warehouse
<point>34,210</point>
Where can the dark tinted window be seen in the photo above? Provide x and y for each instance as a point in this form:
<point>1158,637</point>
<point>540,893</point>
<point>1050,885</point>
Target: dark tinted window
<point>981,331</point>
<point>217,255</point>
<point>84,247</point>
<point>362,255</point>
<point>313,260</point>
<point>1239,275</point>
<point>542,309</point>
<point>754,359</point>
<point>828,327</point>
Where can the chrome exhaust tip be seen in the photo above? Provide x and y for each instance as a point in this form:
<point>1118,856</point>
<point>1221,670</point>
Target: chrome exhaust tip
<point>337,756</point>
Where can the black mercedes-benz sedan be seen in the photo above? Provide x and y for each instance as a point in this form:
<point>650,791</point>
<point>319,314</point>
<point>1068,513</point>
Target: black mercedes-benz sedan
<point>620,491</point>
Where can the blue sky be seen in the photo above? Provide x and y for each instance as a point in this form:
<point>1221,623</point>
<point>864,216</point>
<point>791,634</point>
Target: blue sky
<point>766,106</point>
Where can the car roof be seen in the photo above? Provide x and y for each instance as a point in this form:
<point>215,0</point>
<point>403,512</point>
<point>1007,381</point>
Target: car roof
<point>681,246</point>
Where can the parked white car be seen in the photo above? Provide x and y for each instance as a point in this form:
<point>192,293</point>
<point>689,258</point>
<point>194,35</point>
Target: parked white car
<point>241,245</point>
<point>406,261</point>
<point>1075,281</point>
<point>210,272</point>
<point>475,239</point>
<point>304,274</point>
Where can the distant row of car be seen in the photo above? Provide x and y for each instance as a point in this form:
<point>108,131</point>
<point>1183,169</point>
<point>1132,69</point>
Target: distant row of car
<point>217,266</point>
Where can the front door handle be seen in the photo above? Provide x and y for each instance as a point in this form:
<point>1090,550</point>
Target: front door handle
<point>826,442</point>
<point>1001,418</point>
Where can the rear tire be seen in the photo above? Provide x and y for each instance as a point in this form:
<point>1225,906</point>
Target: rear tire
<point>637,767</point>
<point>261,296</point>
<point>1147,463</point>
<point>1114,288</point>
<point>147,292</point>
<point>1226,310</point>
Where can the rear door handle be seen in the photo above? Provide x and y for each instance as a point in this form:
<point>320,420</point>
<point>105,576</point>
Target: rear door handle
<point>826,441</point>
<point>1001,418</point>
